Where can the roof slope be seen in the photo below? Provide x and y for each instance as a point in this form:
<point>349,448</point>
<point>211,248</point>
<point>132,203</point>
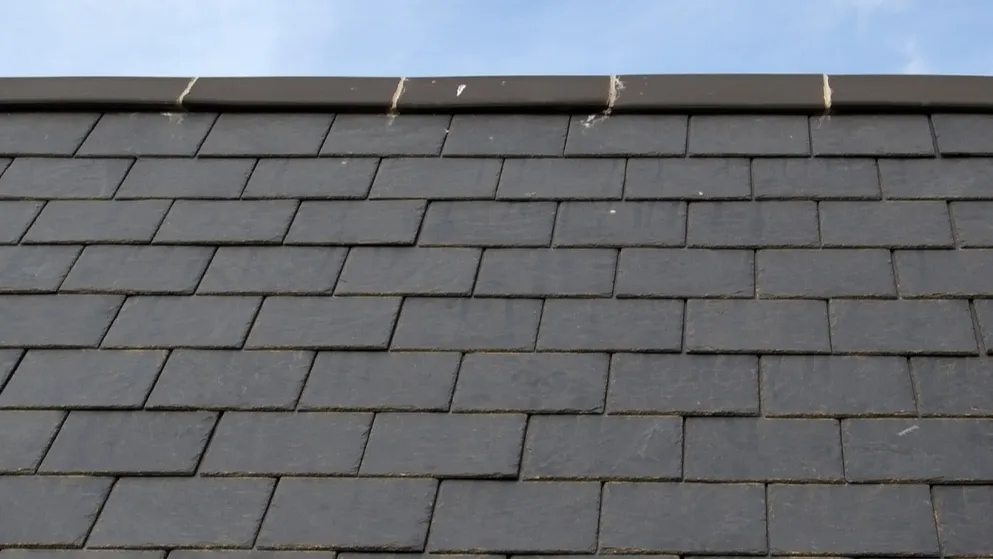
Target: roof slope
<point>505,334</point>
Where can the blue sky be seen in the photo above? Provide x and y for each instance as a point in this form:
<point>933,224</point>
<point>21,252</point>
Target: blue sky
<point>490,37</point>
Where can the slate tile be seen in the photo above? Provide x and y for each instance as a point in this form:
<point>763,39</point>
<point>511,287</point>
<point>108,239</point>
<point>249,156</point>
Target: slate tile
<point>605,224</point>
<point>228,222</point>
<point>562,179</point>
<point>925,450</point>
<point>247,554</point>
<point>873,135</point>
<point>46,178</point>
<point>611,325</point>
<point>626,135</point>
<point>60,513</point>
<point>436,178</point>
<point>186,178</point>
<point>262,270</point>
<point>759,449</point>
<point>81,554</point>
<point>147,134</point>
<point>445,445</point>
<point>937,179</point>
<point>546,272</point>
<point>509,517</point>
<point>506,135</point>
<point>34,269</point>
<point>55,320</point>
<point>150,322</point>
<point>959,511</point>
<point>265,443</point>
<point>898,224</point>
<point>851,520</point>
<point>687,179</point>
<point>531,382</point>
<point>138,269</point>
<point>358,134</point>
<point>761,135</point>
<point>324,323</point>
<point>266,134</point>
<point>488,223</point>
<point>182,512</point>
<point>97,221</point>
<point>953,386</point>
<point>984,314</point>
<point>944,273</point>
<point>973,223</point>
<point>9,358</point>
<point>129,442</point>
<point>360,380</point>
<point>80,379</point>
<point>15,218</point>
<point>409,271</point>
<point>467,324</point>
<point>752,224</point>
<point>817,179</point>
<point>25,438</point>
<point>825,274</point>
<point>380,222</point>
<point>683,384</point>
<point>51,133</point>
<point>685,273</point>
<point>331,178</point>
<point>253,380</point>
<point>739,326</point>
<point>963,134</point>
<point>902,327</point>
<point>349,514</point>
<point>413,556</point>
<point>683,517</point>
<point>836,386</point>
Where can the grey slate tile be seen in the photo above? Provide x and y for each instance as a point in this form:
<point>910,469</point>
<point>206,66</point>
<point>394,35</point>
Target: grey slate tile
<point>683,518</point>
<point>436,178</point>
<point>467,324</point>
<point>358,134</point>
<point>349,514</point>
<point>873,135</point>
<point>129,442</point>
<point>55,320</point>
<point>445,445</point>
<point>824,274</point>
<point>9,358</point>
<point>897,224</point>
<point>487,223</point>
<point>253,380</point>
<point>958,511</point>
<point>331,178</point>
<point>562,179</point>
<point>97,221</point>
<point>739,326</point>
<point>606,224</point>
<point>963,134</point>
<point>35,269</point>
<point>759,135</point>
<point>752,224</point>
<point>52,511</point>
<point>81,554</point>
<point>937,179</point>
<point>247,554</point>
<point>611,325</point>
<point>324,323</point>
<point>836,386</point>
<point>80,379</point>
<point>48,178</point>
<point>531,382</point>
<point>886,520</point>
<point>409,271</point>
<point>685,273</point>
<point>350,555</point>
<point>227,222</point>
<point>138,269</point>
<point>262,270</point>
<point>521,272</point>
<point>358,380</point>
<point>202,321</point>
<point>973,223</point>
<point>984,313</point>
<point>817,179</point>
<point>902,327</point>
<point>683,384</point>
<point>15,218</point>
<point>509,135</point>
<point>925,450</point>
<point>508,517</point>
<point>182,512</point>
<point>603,447</point>
<point>267,443</point>
<point>147,134</point>
<point>760,449</point>
<point>384,222</point>
<point>687,179</point>
<point>25,438</point>
<point>186,178</point>
<point>944,273</point>
<point>627,135</point>
<point>52,133</point>
<point>953,386</point>
<point>266,134</point>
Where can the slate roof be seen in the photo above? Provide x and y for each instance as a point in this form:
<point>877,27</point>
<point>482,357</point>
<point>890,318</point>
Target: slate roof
<point>720,315</point>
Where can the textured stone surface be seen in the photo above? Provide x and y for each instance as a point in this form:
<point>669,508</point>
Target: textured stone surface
<point>51,511</point>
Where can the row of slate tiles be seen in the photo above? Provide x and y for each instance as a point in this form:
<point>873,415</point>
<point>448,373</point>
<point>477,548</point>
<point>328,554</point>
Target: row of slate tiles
<point>480,516</point>
<point>249,135</point>
<point>534,383</point>
<point>513,179</point>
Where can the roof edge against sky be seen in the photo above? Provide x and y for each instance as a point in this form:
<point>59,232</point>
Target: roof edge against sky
<point>725,93</point>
